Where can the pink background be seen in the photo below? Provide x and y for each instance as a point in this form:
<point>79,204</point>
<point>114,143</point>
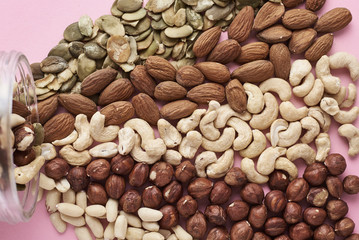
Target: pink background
<point>34,27</point>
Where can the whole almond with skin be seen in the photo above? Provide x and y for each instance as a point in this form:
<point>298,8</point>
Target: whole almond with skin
<point>189,76</point>
<point>46,109</point>
<point>252,52</point>
<point>215,72</point>
<point>241,26</point>
<point>292,3</point>
<point>146,108</point>
<point>299,18</point>
<point>20,109</point>
<point>142,81</point>
<point>160,69</point>
<point>236,96</point>
<point>268,15</point>
<point>178,109</point>
<point>254,72</point>
<point>334,20</point>
<point>118,112</point>
<point>97,81</point>
<point>314,5</point>
<point>225,52</point>
<point>206,42</point>
<point>279,55</point>
<point>119,90</point>
<point>275,34</point>
<point>320,47</point>
<point>206,92</point>
<point>301,40</point>
<point>76,103</point>
<point>59,127</point>
<point>169,91</point>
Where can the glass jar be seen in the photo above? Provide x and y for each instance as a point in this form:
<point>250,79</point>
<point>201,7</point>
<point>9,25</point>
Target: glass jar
<point>17,203</point>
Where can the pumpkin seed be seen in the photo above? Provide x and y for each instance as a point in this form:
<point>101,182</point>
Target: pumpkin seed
<point>130,23</point>
<point>161,49</point>
<point>167,53</point>
<point>94,51</point>
<point>95,30</point>
<point>101,40</point>
<point>73,33</point>
<point>41,91</point>
<point>193,36</point>
<point>118,49</point>
<point>133,55</point>
<point>155,16</point>
<point>99,63</point>
<point>157,36</point>
<point>127,67</point>
<point>179,50</point>
<point>169,42</point>
<point>54,85</point>
<point>186,62</point>
<point>41,83</point>
<point>139,14</point>
<point>76,88</point>
<point>46,95</point>
<point>109,63</point>
<point>194,19</point>
<point>67,86</point>
<point>76,48</point>
<point>114,10</point>
<point>179,32</point>
<point>143,35</point>
<point>111,25</point>
<point>86,66</point>
<point>53,64</point>
<point>160,25</point>
<point>85,25</point>
<point>145,43</point>
<point>220,3</point>
<point>129,5</point>
<point>180,18</point>
<point>158,6</point>
<point>203,5</point>
<point>253,3</point>
<point>229,17</point>
<point>216,13</point>
<point>223,24</point>
<point>38,134</point>
<point>150,51</point>
<point>207,24</point>
<point>64,76</point>
<point>73,65</point>
<point>189,51</point>
<point>61,50</point>
<point>142,26</point>
<point>190,2</point>
<point>168,16</point>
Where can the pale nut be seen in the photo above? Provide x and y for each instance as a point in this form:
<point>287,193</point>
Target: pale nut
<point>264,119</point>
<point>331,83</point>
<point>279,86</point>
<point>26,173</point>
<point>244,132</point>
<point>276,127</point>
<point>329,105</point>
<point>139,155</point>
<point>142,128</point>
<point>202,161</point>
<point>190,123</point>
<point>82,127</point>
<point>322,143</point>
<point>190,144</point>
<point>104,150</point>
<point>225,112</point>
<point>290,136</point>
<point>345,60</point>
<point>173,157</point>
<point>257,146</point>
<point>351,133</point>
<point>126,140</point>
<point>74,157</point>
<point>266,161</point>
<point>322,117</point>
<point>48,151</point>
<point>312,127</point>
<point>290,113</point>
<point>304,88</point>
<point>340,96</point>
<point>255,100</point>
<point>99,132</point>
<point>316,94</point>
<point>168,133</point>
<point>352,93</point>
<point>67,140</point>
<point>301,151</point>
<point>222,143</point>
<point>300,68</point>
<point>345,117</point>
<point>288,166</point>
<point>219,168</point>
<point>247,166</point>
<point>206,125</point>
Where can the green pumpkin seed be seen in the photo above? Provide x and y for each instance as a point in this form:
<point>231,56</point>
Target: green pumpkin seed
<point>111,25</point>
<point>158,6</point>
<point>39,134</point>
<point>64,76</point>
<point>99,63</point>
<point>94,51</point>
<point>130,23</point>
<point>190,2</point>
<point>143,35</point>
<point>41,91</point>
<point>150,51</point>
<point>189,51</point>
<point>86,66</point>
<point>203,5</point>
<point>207,24</point>
<point>253,3</point>
<point>194,19</point>
<point>101,39</point>
<point>67,86</point>
<point>223,24</point>
<point>76,88</point>
<point>169,42</point>
<point>54,85</point>
<point>168,16</point>
<point>61,50</point>
<point>95,30</point>
<point>133,55</point>
<point>178,5</point>
<point>160,25</point>
<point>127,67</point>
<point>129,5</point>
<point>142,26</point>
<point>161,49</point>
<point>193,36</point>
<point>179,50</point>
<point>53,64</point>
<point>179,32</point>
<point>145,43</point>
<point>73,33</point>
<point>216,13</point>
<point>46,95</point>
<point>114,10</point>
<point>76,48</point>
<point>155,16</point>
<point>180,18</point>
<point>221,3</point>
<point>167,53</point>
<point>139,14</point>
<point>186,62</point>
<point>118,48</point>
<point>109,63</point>
<point>157,36</point>
<point>85,25</point>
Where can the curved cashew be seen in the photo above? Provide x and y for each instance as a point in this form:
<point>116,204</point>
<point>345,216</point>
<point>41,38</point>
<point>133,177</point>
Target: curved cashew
<point>290,113</point>
<point>104,150</point>
<point>312,127</point>
<point>143,129</point>
<point>173,157</point>
<point>267,159</point>
<point>316,94</point>
<point>155,147</point>
<point>213,106</point>
<point>225,112</point>
<point>276,127</point>
<point>24,174</point>
<point>16,120</point>
<point>222,165</point>
<point>351,133</point>
<point>99,132</point>
<point>140,155</point>
<point>126,140</point>
<point>284,164</point>
<point>303,151</point>
<point>304,88</point>
<point>74,157</point>
<point>331,83</point>
<point>222,143</point>
<point>322,142</point>
<point>300,68</point>
<point>168,133</point>
<point>82,127</point>
<point>202,161</point>
<point>257,146</point>
<point>340,96</point>
<point>190,123</point>
<point>67,140</point>
<point>247,166</point>
<point>347,60</point>
<point>322,117</point>
<point>255,100</point>
<point>264,119</point>
<point>290,136</point>
<point>329,105</point>
<point>279,86</point>
<point>48,151</point>
<point>344,117</point>
<point>352,94</point>
<point>190,144</point>
<point>244,133</point>
<point>206,125</point>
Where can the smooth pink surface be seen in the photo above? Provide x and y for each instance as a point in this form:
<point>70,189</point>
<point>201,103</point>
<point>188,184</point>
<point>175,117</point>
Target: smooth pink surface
<point>34,27</point>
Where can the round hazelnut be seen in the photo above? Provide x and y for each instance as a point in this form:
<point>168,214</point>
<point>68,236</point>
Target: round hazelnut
<point>98,169</point>
<point>170,217</point>
<point>220,193</point>
<point>278,180</point>
<point>57,168</point>
<point>152,197</point>
<point>292,213</point>
<point>237,210</point>
<point>122,165</point>
<point>235,177</point>
<point>335,186</point>
<point>315,174</point>
<point>335,163</point>
<point>351,184</point>
<point>216,214</point>
<point>22,158</point>
<point>354,236</point>
<point>260,236</point>
<point>161,173</point>
<point>196,225</point>
<point>275,226</point>
<point>252,193</point>
<point>172,192</point>
<point>139,174</point>
<point>275,201</point>
<point>115,186</point>
<point>187,206</point>
<point>218,233</point>
<point>300,231</point>
<point>282,237</point>
<point>200,188</point>
<point>324,232</point>
<point>130,201</point>
<point>317,196</point>
<point>297,190</point>
<point>96,194</point>
<point>344,227</point>
<point>242,231</point>
<point>257,216</point>
<point>23,136</point>
<point>336,209</point>
<point>314,216</point>
<point>185,171</point>
<point>78,178</point>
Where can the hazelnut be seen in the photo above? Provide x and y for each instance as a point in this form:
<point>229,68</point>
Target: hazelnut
<point>122,165</point>
<point>297,190</point>
<point>185,171</point>
<point>152,197</point>
<point>300,231</point>
<point>170,217</point>
<point>275,226</point>
<point>282,237</point>
<point>139,175</point>
<point>317,196</point>
<point>98,169</point>
<point>354,236</point>
<point>237,210</point>
<point>78,178</point>
<point>187,206</point>
<point>130,201</point>
<point>314,216</point>
<point>22,158</point>
<point>335,163</point>
<point>335,186</point>
<point>260,236</point>
<point>161,174</point>
<point>324,232</point>
<point>24,136</point>
<point>172,192</point>
<point>315,174</point>
<point>344,227</point>
<point>220,193</point>
<point>257,216</point>
<point>292,213</point>
<point>57,168</point>
<point>218,233</point>
<point>235,177</point>
<point>115,186</point>
<point>336,209</point>
<point>252,193</point>
<point>242,231</point>
<point>200,188</point>
<point>275,201</point>
<point>216,214</point>
<point>96,194</point>
<point>278,180</point>
<point>196,225</point>
<point>351,184</point>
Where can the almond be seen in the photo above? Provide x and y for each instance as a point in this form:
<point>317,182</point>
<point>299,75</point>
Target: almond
<point>169,91</point>
<point>46,109</point>
<point>206,42</point>
<point>178,109</point>
<point>117,113</point>
<point>301,40</point>
<point>76,103</point>
<point>98,80</point>
<point>160,69</point>
<point>142,81</point>
<point>268,15</point>
<point>59,127</point>
<point>254,72</point>
<point>236,96</point>
<point>252,52</point>
<point>225,52</point>
<point>320,47</point>
<point>279,55</point>
<point>292,3</point>
<point>334,20</point>
<point>20,109</point>
<point>189,76</point>
<point>314,5</point>
<point>146,108</point>
<point>118,90</point>
<point>241,26</point>
<point>299,18</point>
<point>215,72</point>
<point>206,92</point>
<point>275,34</point>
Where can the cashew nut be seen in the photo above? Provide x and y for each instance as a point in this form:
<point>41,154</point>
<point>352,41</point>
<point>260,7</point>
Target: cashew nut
<point>190,144</point>
<point>67,140</point>
<point>143,128</point>
<point>104,150</point>
<point>290,136</point>
<point>255,100</point>
<point>290,113</point>
<point>173,157</point>
<point>329,105</point>
<point>222,143</point>
<point>276,127</point>
<point>74,157</point>
<point>225,112</point>
<point>84,139</point>
<point>279,86</point>
<point>99,132</point>
<point>190,123</point>
<point>352,94</point>
<point>155,147</point>
<point>286,165</point>
<point>140,155</point>
<point>331,83</point>
<point>16,120</point>
<point>247,166</point>
<point>349,61</point>
<point>340,96</point>
<point>267,159</point>
<point>300,68</point>
<point>322,142</point>
<point>169,133</point>
<point>303,151</point>
<point>304,88</point>
<point>126,140</point>
<point>202,161</point>
<point>257,146</point>
<point>48,151</point>
<point>264,119</point>
<point>344,117</point>
<point>322,117</point>
<point>24,174</point>
<point>219,168</point>
<point>244,131</point>
<point>206,125</point>
<point>316,94</point>
<point>351,133</point>
<point>312,127</point>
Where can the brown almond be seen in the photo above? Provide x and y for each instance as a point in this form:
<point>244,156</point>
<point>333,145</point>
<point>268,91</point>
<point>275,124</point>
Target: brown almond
<point>146,108</point>
<point>314,5</point>
<point>46,109</point>
<point>59,127</point>
<point>320,47</point>
<point>20,109</point>
<point>268,15</point>
<point>301,40</point>
<point>215,72</point>
<point>275,34</point>
<point>206,42</point>
<point>299,18</point>
<point>225,52</point>
<point>252,52</point>
<point>241,26</point>
<point>292,3</point>
<point>206,92</point>
<point>254,72</point>
<point>160,69</point>
<point>334,20</point>
<point>118,112</point>
<point>236,96</point>
<point>279,55</point>
<point>119,90</point>
<point>97,81</point>
<point>169,91</point>
<point>178,109</point>
<point>76,103</point>
<point>189,76</point>
<point>142,81</point>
